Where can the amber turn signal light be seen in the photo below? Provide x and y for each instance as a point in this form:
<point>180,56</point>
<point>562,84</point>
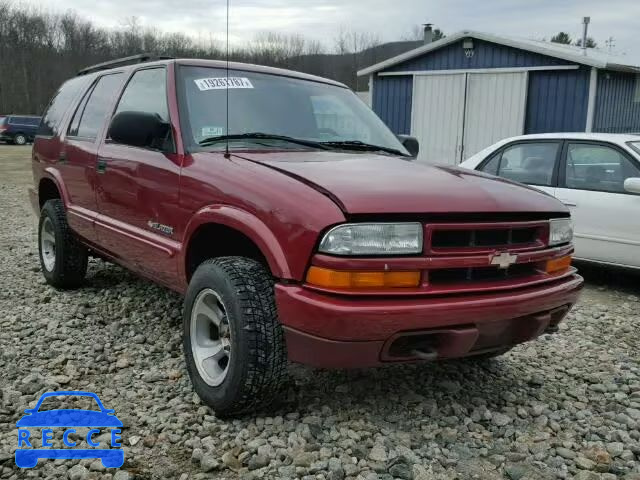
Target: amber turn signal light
<point>343,279</point>
<point>558,264</point>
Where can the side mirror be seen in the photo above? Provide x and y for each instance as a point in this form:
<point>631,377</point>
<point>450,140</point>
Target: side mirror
<point>632,185</point>
<point>411,144</point>
<point>137,129</point>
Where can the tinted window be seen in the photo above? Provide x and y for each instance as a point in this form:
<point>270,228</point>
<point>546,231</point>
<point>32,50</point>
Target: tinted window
<point>96,109</point>
<point>30,121</point>
<point>531,163</point>
<point>597,167</point>
<point>146,92</point>
<point>59,104</point>
<point>75,121</point>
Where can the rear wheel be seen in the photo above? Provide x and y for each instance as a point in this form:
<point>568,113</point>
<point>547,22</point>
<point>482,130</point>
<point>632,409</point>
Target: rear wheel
<point>233,343</point>
<point>20,139</point>
<point>62,257</point>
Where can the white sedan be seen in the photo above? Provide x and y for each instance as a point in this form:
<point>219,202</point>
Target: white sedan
<point>596,175</point>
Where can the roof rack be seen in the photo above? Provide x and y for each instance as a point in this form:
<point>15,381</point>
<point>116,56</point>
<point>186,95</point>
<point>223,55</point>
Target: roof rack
<point>120,62</point>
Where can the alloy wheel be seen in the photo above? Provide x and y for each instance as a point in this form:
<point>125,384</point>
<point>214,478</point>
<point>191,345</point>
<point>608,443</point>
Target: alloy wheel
<point>210,337</point>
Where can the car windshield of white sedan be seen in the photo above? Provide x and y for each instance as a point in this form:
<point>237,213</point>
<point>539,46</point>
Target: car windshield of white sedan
<point>273,105</point>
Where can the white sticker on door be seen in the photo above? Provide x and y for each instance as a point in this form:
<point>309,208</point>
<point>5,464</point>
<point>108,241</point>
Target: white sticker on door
<point>222,83</point>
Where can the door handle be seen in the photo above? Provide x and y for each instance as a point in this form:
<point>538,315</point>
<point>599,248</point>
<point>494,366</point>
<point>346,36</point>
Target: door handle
<point>101,165</point>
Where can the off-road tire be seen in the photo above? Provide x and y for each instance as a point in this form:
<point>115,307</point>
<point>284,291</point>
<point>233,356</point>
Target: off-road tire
<point>258,365</point>
<point>71,260</point>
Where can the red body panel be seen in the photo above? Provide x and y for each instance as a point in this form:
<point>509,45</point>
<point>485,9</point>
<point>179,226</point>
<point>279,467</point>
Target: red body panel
<point>283,201</point>
<point>382,184</point>
<point>333,332</point>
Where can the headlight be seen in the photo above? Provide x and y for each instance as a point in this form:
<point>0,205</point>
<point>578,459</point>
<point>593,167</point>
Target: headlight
<point>373,239</point>
<point>560,231</point>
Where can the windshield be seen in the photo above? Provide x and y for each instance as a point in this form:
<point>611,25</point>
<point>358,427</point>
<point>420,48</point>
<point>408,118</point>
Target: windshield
<point>276,105</point>
<point>635,146</point>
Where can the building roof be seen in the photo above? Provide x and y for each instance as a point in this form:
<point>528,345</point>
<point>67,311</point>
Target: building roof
<point>591,56</point>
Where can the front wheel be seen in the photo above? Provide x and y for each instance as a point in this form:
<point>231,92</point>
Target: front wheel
<point>233,342</point>
<point>20,139</point>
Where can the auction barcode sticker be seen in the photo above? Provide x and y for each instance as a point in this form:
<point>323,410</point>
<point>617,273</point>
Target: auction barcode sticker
<point>222,83</point>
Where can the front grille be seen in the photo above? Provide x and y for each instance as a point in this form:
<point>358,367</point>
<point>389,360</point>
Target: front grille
<point>500,237</point>
<point>445,276</point>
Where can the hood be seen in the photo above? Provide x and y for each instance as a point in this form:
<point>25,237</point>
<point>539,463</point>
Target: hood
<point>368,183</point>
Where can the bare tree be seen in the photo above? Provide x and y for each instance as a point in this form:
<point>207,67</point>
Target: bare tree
<point>417,33</point>
<point>40,50</point>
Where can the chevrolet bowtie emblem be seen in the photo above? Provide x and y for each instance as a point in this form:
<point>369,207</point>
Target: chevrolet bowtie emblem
<point>504,260</point>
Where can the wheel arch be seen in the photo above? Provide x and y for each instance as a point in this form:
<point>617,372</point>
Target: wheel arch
<point>47,190</point>
<point>51,183</point>
<point>243,234</point>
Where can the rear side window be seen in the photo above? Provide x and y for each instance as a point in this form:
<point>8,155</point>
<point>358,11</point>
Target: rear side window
<point>531,163</point>
<point>59,105</point>
<point>93,110</point>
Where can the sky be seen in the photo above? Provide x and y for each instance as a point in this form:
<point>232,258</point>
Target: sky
<point>390,20</point>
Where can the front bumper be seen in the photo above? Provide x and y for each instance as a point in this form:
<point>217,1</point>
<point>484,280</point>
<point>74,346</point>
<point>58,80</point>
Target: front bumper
<point>330,331</point>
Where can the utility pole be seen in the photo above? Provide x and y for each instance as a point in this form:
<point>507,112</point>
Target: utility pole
<point>610,43</point>
<point>585,28</point>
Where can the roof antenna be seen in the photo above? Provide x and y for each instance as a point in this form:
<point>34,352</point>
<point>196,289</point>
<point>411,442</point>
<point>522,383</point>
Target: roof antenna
<point>226,152</point>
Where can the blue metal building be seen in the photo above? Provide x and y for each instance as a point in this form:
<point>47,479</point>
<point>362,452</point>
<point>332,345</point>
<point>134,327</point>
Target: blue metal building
<point>460,94</point>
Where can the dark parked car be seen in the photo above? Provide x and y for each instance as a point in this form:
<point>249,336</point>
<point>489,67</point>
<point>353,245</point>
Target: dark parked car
<point>18,129</point>
<point>296,224</point>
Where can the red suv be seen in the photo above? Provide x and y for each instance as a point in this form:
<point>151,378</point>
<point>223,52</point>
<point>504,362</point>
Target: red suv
<point>297,226</point>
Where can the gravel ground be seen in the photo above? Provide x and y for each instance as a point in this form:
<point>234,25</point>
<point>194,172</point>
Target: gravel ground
<point>565,406</point>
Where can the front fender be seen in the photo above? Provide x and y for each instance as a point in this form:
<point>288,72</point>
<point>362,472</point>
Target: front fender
<point>246,223</point>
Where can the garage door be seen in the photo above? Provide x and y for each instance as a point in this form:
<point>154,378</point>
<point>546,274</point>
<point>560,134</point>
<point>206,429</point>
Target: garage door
<point>495,109</point>
<point>455,116</point>
<point>437,118</point>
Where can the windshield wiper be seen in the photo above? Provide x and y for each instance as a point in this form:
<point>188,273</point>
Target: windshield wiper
<point>367,147</point>
<point>261,136</point>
